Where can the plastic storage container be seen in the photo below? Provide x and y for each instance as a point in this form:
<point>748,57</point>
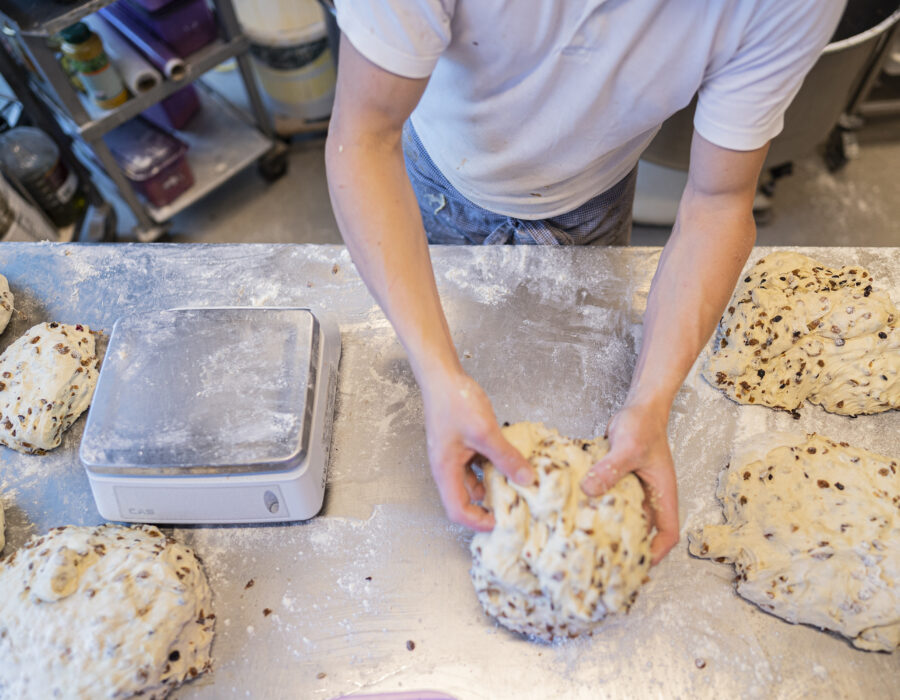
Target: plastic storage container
<point>31,157</point>
<point>185,25</point>
<point>176,110</point>
<point>291,55</point>
<point>153,160</point>
<point>87,55</point>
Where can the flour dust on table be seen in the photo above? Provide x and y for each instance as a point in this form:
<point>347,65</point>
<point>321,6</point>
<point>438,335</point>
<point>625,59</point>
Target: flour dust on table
<point>2,525</point>
<point>797,330</point>
<point>102,612</point>
<point>47,379</point>
<point>6,303</point>
<point>558,561</point>
<point>812,527</point>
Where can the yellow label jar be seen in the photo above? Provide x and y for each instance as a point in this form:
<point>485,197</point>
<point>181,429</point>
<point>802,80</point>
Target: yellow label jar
<point>86,54</point>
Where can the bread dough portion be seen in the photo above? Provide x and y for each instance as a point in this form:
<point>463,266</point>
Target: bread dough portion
<point>796,330</point>
<point>47,379</point>
<point>812,527</point>
<point>6,303</point>
<point>557,561</point>
<point>102,612</point>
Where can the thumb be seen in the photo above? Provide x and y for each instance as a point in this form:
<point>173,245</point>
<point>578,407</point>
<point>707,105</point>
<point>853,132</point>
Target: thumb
<point>604,475</point>
<point>506,457</point>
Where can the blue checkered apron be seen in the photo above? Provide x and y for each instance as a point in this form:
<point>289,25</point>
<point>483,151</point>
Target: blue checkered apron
<point>450,218</point>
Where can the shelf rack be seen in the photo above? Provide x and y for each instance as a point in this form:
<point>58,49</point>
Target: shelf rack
<point>240,143</point>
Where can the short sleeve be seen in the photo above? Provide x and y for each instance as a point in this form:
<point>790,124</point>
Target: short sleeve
<point>405,37</point>
<point>741,104</point>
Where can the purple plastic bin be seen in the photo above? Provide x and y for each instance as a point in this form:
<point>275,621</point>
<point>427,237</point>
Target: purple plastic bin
<point>176,110</point>
<point>185,25</point>
<point>153,160</point>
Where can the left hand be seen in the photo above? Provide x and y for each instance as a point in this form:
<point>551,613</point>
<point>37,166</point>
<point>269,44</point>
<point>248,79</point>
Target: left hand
<point>638,443</point>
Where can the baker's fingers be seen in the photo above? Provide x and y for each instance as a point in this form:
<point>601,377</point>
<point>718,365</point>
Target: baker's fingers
<point>605,473</point>
<point>473,486</point>
<point>662,494</point>
<point>449,475</point>
<point>504,456</point>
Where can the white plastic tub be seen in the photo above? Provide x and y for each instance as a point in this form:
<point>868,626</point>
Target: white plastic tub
<point>291,55</point>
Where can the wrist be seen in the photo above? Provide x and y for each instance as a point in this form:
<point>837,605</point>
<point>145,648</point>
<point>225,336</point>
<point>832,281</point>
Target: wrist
<point>438,373</point>
<point>654,405</point>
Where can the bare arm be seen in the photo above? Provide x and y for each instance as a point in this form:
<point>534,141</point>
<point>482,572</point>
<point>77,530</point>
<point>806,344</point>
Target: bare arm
<point>379,218</point>
<point>712,237</point>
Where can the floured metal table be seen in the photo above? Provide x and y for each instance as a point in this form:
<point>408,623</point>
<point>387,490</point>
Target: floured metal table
<point>374,594</point>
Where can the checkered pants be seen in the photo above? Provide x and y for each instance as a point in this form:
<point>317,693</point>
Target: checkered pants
<point>450,218</point>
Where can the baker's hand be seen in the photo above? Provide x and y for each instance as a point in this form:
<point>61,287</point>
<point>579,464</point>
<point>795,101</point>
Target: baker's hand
<point>460,424</point>
<point>638,443</point>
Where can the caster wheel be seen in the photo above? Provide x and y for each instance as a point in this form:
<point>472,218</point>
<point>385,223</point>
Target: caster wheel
<point>274,163</point>
<point>840,149</point>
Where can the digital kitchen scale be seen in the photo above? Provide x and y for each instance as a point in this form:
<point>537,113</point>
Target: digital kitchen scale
<point>218,415</point>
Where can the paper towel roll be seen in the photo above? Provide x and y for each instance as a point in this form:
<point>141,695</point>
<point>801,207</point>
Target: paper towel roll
<point>137,73</point>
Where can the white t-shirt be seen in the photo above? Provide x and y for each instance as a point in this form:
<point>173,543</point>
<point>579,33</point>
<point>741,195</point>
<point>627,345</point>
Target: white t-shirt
<point>536,106</point>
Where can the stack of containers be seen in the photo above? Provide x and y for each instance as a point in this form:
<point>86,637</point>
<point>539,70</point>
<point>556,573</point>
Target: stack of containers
<point>164,32</point>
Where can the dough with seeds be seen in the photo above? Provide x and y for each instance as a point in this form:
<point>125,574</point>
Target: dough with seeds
<point>47,379</point>
<point>812,527</point>
<point>797,330</point>
<point>557,561</point>
<point>102,612</point>
<point>6,303</point>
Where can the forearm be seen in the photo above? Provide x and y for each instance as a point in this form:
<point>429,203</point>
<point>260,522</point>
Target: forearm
<point>377,213</point>
<point>712,237</point>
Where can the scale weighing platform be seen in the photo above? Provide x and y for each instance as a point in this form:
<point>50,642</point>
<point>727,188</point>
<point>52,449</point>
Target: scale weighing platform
<point>216,415</point>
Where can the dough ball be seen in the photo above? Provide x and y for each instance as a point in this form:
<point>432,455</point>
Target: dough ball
<point>796,330</point>
<point>558,562</point>
<point>102,612</point>
<point>813,529</point>
<point>47,379</point>
<point>6,303</point>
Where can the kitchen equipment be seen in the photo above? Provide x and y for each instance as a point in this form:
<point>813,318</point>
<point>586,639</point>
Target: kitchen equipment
<point>828,96</point>
<point>216,415</point>
<point>153,160</point>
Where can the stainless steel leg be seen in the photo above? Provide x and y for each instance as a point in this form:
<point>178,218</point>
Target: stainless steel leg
<point>260,113</point>
<point>126,191</point>
<point>56,78</point>
<point>232,28</point>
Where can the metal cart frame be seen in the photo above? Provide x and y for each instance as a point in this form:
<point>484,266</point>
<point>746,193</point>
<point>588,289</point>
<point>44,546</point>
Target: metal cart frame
<point>34,22</point>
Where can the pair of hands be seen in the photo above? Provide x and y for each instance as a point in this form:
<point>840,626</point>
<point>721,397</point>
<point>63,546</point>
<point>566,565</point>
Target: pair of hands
<point>460,424</point>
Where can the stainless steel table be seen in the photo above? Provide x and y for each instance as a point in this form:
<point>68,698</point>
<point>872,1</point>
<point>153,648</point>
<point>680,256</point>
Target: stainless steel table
<point>374,594</point>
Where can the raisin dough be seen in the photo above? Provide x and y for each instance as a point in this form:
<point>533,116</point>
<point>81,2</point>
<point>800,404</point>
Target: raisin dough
<point>102,612</point>
<point>557,561</point>
<point>6,303</point>
<point>797,330</point>
<point>47,379</point>
<point>813,529</point>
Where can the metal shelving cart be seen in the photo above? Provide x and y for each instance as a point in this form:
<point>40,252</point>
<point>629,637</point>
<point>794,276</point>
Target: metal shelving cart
<point>221,141</point>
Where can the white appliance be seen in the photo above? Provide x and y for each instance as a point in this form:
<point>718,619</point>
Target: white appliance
<point>217,415</point>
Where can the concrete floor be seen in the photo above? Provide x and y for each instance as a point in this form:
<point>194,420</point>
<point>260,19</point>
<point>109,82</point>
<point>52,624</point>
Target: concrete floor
<point>860,205</point>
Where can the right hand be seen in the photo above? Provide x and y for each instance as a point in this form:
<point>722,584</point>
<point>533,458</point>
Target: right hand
<point>460,424</point>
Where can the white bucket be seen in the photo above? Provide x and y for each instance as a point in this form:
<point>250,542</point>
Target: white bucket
<point>289,47</point>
